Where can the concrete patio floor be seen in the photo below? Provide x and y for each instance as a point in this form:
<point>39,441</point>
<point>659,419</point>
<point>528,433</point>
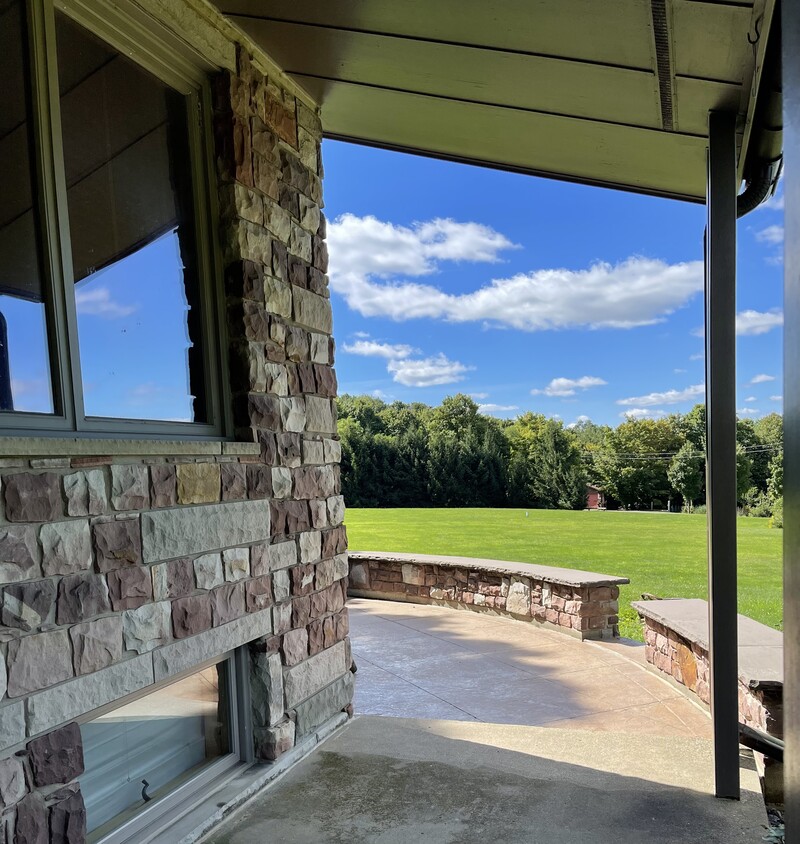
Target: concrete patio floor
<point>502,732</point>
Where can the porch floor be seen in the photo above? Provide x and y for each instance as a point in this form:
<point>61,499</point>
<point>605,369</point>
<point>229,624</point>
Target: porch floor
<point>502,732</point>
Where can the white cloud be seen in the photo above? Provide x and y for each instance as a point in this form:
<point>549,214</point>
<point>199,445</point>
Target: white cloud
<point>427,372</point>
<point>679,371</point>
<point>771,234</point>
<point>569,386</point>
<point>748,411</point>
<point>98,302</point>
<point>642,413</point>
<point>774,203</point>
<point>776,398</point>
<point>751,323</point>
<point>368,255</point>
<point>371,348</point>
<point>698,356</point>
<point>667,397</point>
<point>750,399</point>
<point>478,396</point>
<point>490,409</point>
<point>581,418</point>
<point>762,378</point>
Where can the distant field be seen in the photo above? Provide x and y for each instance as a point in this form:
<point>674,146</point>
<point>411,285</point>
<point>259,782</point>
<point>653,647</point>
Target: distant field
<point>661,553</point>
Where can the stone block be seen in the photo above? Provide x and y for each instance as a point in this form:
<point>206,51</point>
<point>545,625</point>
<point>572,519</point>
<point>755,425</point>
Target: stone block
<point>198,483</point>
<point>336,509</point>
<point>117,543</point>
<point>303,580</point>
<point>281,617</point>
<point>272,742</point>
<point>259,481</point>
<point>281,482</point>
<point>68,820</point>
<point>320,416</point>
<point>518,600</point>
<point>359,576</point>
<point>147,627</point>
<point>228,603</point>
<point>236,563</point>
<point>56,757</point>
<point>32,822</point>
<point>324,705</point>
<point>29,605</point>
<point>96,644</point>
<point>38,661</point>
<point>319,514</point>
<point>281,585</point>
<point>209,527</point>
<point>174,579</point>
<point>259,559</point>
<point>187,653</point>
<point>20,557</point>
<point>294,646</point>
<point>130,588</point>
<point>412,574</point>
<point>233,482</point>
<point>33,497</point>
<point>313,452</point>
<point>129,487</point>
<point>333,451</point>
<point>306,679</point>
<point>278,297</point>
<point>191,615</point>
<point>310,546</point>
<point>276,379</point>
<point>86,493</point>
<point>12,777</point>
<point>283,555</point>
<point>66,547</point>
<point>266,690</point>
<point>81,596</point>
<point>293,414</point>
<point>52,707</point>
<point>288,447</point>
<point>208,571</point>
<point>258,593</point>
<point>163,485</point>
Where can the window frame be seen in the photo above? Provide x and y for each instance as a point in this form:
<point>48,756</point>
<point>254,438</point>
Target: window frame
<point>160,52</point>
<point>167,808</point>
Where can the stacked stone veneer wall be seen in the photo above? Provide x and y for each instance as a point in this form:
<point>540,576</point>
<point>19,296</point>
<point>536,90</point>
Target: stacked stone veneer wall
<point>122,567</point>
<point>686,662</point>
<point>587,610</point>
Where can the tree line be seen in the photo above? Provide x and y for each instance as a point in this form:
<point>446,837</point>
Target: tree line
<point>414,455</point>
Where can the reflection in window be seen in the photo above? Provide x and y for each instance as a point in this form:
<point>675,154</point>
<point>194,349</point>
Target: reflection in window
<point>127,167</point>
<point>24,364</point>
<point>141,751</point>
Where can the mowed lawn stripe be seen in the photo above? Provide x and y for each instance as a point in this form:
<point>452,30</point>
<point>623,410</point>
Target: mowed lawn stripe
<point>662,553</point>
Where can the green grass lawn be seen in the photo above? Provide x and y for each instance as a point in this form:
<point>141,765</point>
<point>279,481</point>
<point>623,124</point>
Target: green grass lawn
<point>661,553</point>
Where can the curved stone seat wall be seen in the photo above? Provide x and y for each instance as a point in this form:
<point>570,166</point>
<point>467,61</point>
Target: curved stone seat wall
<point>581,603</point>
<point>676,643</point>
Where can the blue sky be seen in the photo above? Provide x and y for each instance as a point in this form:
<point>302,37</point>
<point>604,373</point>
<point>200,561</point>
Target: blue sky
<point>532,294</point>
<point>526,293</point>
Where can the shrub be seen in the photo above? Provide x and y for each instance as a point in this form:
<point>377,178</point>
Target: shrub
<point>777,514</point>
<point>701,509</point>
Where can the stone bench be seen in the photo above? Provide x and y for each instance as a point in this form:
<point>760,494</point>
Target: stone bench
<point>676,643</point>
<point>577,602</point>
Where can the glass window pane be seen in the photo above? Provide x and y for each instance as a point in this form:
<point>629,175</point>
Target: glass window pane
<point>146,748</point>
<point>129,192</point>
<point>24,358</point>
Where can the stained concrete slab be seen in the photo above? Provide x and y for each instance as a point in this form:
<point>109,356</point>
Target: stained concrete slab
<point>503,732</point>
<point>394,781</point>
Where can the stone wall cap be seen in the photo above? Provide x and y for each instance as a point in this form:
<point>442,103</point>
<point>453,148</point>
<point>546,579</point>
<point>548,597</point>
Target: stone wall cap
<point>760,647</point>
<point>552,574</point>
<point>119,447</point>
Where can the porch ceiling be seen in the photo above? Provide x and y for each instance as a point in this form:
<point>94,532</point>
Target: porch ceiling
<point>614,93</point>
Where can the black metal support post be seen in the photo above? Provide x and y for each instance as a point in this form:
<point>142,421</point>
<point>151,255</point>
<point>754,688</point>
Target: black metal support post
<point>720,284</point>
<point>790,13</point>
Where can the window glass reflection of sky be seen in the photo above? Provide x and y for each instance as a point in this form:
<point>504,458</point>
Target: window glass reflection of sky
<point>27,353</point>
<point>133,335</point>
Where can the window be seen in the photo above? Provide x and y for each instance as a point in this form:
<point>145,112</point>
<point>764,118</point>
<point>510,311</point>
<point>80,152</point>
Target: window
<point>106,283</point>
<point>138,754</point>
